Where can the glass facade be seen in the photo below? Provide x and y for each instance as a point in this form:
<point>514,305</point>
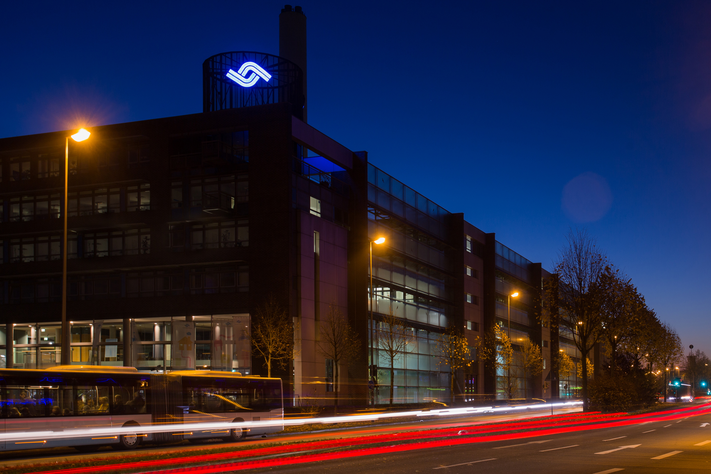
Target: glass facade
<point>513,274</point>
<point>411,275</point>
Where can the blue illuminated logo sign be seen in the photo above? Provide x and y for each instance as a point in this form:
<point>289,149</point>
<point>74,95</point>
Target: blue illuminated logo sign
<point>248,74</point>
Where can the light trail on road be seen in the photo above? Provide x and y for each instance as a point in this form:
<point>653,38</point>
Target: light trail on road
<point>417,440</point>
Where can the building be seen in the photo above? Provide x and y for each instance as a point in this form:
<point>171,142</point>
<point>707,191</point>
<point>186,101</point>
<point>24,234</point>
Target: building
<point>181,227</point>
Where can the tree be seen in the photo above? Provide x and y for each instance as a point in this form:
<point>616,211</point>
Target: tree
<point>621,308</point>
<point>667,349</point>
<point>338,342</point>
<point>532,362</point>
<point>453,350</point>
<point>578,270</point>
<point>273,334</point>
<point>696,369</point>
<point>566,366</point>
<point>585,369</point>
<point>393,340</point>
<point>496,351</point>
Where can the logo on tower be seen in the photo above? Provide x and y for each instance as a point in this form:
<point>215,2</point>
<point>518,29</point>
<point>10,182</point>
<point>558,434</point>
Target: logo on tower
<point>248,74</point>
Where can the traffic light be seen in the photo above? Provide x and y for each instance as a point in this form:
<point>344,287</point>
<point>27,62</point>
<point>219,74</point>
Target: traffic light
<point>703,383</point>
<point>677,382</point>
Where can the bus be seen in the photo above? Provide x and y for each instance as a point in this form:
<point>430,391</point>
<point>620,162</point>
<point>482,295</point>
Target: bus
<point>91,406</point>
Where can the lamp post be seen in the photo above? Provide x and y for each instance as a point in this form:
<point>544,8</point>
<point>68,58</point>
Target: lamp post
<point>508,317</point>
<point>508,310</point>
<point>377,241</point>
<point>80,136</point>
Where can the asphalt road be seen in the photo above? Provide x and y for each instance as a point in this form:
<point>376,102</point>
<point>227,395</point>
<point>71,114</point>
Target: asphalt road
<point>678,446</point>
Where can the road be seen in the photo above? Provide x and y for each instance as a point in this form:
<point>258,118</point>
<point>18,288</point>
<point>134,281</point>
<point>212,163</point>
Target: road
<point>664,446</point>
<point>70,454</point>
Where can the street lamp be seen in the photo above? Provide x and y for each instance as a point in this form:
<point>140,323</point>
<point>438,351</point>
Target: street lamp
<point>80,136</point>
<point>508,316</point>
<point>377,241</point>
<point>508,309</point>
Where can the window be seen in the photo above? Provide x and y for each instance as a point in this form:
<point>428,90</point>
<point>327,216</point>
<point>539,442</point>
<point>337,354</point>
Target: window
<point>138,198</point>
<point>117,243</point>
<point>212,280</point>
<point>475,273</point>
<point>213,193</point>
<point>224,234</point>
<point>315,206</point>
<point>469,297</point>
<point>96,201</point>
<point>545,343</point>
<point>48,165</point>
<point>20,169</point>
<point>31,249</point>
<point>468,270</point>
<point>475,300</point>
<point>94,287</point>
<point>176,195</point>
<point>28,208</point>
<point>468,245</point>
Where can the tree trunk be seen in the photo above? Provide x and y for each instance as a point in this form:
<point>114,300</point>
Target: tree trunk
<point>392,382</point>
<point>335,386</point>
<point>585,381</point>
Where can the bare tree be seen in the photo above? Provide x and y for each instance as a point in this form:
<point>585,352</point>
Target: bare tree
<point>453,350</point>
<point>532,362</point>
<point>273,334</point>
<point>579,268</point>
<point>496,351</point>
<point>393,340</point>
<point>338,342</point>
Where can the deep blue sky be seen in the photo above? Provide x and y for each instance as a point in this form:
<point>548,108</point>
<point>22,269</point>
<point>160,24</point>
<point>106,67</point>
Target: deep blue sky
<point>532,118</point>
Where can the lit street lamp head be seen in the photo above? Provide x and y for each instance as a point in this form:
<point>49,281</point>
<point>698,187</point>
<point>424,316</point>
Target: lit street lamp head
<point>81,135</point>
<point>514,294</point>
<point>379,240</point>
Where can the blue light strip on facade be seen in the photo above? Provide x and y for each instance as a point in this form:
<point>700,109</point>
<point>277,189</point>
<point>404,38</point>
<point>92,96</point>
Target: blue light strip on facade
<point>248,74</point>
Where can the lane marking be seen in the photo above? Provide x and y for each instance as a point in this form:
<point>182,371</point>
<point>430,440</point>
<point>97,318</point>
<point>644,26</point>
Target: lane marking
<point>680,421</point>
<point>464,463</point>
<point>645,432</point>
<point>703,442</point>
<point>556,449</point>
<point>610,471</point>
<point>613,439</point>
<point>668,454</point>
<point>668,425</point>
<point>618,449</point>
<point>524,444</point>
<point>704,425</point>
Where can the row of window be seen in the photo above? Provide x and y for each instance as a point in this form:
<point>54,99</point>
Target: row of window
<point>46,165</point>
<point>200,280</point>
<point>112,243</point>
<point>83,203</point>
<point>216,193</point>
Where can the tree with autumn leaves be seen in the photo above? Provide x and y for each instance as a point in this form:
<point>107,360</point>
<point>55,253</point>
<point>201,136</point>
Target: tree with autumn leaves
<point>453,351</point>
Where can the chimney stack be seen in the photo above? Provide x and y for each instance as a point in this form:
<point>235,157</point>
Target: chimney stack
<point>292,40</point>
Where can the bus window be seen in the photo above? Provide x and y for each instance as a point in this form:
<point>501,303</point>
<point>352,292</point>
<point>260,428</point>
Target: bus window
<point>25,402</point>
<point>129,398</point>
<point>89,399</point>
<point>60,401</point>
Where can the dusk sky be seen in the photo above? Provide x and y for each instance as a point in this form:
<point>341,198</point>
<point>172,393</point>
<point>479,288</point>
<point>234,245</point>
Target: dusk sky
<point>531,118</point>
